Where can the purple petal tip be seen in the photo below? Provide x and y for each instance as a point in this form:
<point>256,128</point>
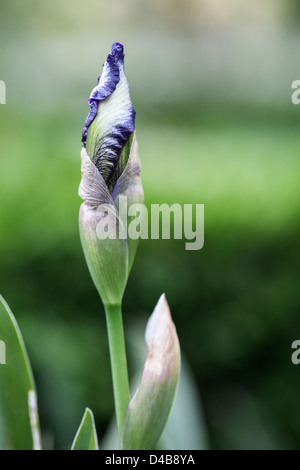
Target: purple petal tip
<point>106,84</point>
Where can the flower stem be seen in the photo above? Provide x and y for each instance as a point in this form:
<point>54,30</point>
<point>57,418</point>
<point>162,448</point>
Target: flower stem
<point>118,361</point>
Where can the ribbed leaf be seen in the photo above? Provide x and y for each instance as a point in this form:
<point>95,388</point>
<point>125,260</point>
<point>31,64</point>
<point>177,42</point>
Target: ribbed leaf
<point>19,428</point>
<point>86,436</point>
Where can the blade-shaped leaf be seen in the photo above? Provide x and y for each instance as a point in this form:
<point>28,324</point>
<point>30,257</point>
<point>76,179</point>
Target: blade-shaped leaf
<point>86,436</point>
<point>149,408</point>
<point>19,427</point>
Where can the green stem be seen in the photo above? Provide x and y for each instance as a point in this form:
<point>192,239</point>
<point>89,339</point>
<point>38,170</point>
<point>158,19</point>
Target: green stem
<point>118,361</point>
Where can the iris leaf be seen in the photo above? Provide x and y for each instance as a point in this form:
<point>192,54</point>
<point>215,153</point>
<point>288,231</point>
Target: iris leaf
<point>19,428</point>
<point>86,436</point>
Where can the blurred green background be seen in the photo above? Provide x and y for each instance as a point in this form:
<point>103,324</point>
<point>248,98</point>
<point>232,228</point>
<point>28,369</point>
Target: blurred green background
<point>211,84</point>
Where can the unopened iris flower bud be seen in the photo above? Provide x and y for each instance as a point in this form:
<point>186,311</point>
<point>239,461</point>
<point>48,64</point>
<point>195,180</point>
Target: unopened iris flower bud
<point>110,171</point>
<point>150,406</point>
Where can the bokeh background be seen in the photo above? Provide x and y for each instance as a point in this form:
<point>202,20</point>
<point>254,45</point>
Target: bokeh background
<point>211,83</point>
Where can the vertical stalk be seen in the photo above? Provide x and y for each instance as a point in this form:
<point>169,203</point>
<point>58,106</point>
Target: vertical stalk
<point>118,361</point>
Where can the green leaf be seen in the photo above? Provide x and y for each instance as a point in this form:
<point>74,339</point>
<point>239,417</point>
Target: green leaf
<point>86,436</point>
<point>19,427</point>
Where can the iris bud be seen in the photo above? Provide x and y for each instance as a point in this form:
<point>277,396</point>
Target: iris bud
<point>149,408</point>
<point>110,169</point>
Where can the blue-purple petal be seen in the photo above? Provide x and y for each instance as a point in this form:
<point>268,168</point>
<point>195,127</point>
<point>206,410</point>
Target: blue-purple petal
<point>112,117</point>
<point>107,83</point>
<point>110,147</point>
